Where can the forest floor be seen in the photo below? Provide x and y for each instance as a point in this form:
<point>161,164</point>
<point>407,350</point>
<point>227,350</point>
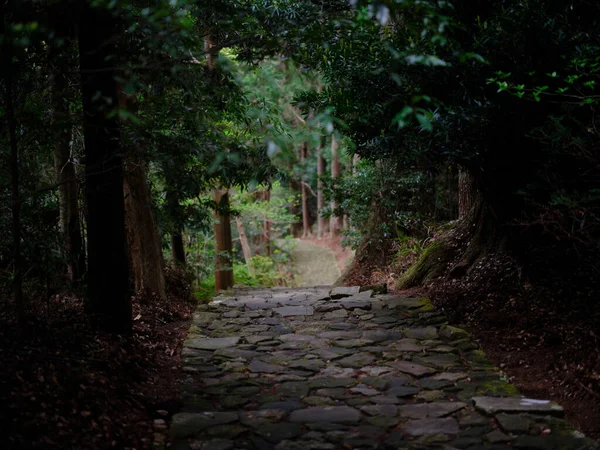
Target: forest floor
<point>66,385</point>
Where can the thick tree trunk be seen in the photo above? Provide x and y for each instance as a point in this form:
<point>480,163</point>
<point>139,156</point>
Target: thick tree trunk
<point>454,253</point>
<point>335,223</point>
<point>6,67</point>
<point>65,173</point>
<point>109,298</point>
<point>177,247</point>
<point>466,193</point>
<point>245,245</point>
<point>305,213</point>
<point>321,166</point>
<point>224,245</point>
<point>146,255</point>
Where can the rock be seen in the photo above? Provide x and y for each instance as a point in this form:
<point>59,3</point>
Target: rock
<point>398,301</point>
<point>412,369</point>
<point>312,365</point>
<point>427,410</point>
<point>354,343</point>
<point>320,383</point>
<point>356,304</point>
<point>497,436</point>
<point>297,389</point>
<point>341,292</point>
<point>357,360</point>
<point>365,391</point>
<point>255,418</point>
<point>278,432</point>
<point>450,376</point>
<point>402,391</point>
<point>380,410</point>
<point>259,366</point>
<point>429,427</point>
<point>257,339</point>
<point>212,343</point>
<point>431,384</point>
<point>513,423</point>
<point>189,424</point>
<point>337,314</point>
<point>422,334</point>
<point>287,406</point>
<point>335,414</point>
<point>493,405</point>
<point>449,333</point>
<point>375,371</point>
<point>287,311</point>
<point>235,353</point>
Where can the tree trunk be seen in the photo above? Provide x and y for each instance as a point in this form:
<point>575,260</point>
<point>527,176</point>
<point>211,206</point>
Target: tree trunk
<point>336,169</point>
<point>321,165</point>
<point>224,245</point>
<point>465,192</point>
<point>66,178</point>
<point>146,254</point>
<point>245,245</point>
<point>64,169</point>
<point>177,247</point>
<point>305,214</point>
<point>267,224</point>
<point>109,298</point>
<point>455,252</point>
<point>7,74</point>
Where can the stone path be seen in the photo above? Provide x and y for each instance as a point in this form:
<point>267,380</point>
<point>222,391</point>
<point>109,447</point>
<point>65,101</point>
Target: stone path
<point>326,369</point>
<point>314,264</point>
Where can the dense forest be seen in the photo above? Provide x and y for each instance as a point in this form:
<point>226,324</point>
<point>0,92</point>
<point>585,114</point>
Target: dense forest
<point>155,152</point>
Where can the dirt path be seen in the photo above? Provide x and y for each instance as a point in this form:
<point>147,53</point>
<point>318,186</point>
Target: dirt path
<point>320,369</point>
<point>314,265</point>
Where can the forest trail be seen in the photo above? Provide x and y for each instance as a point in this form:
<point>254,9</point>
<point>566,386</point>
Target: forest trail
<point>324,369</point>
<point>314,264</point>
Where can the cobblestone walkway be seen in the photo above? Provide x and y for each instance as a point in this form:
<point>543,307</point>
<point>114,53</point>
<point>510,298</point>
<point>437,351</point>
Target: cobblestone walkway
<point>322,369</point>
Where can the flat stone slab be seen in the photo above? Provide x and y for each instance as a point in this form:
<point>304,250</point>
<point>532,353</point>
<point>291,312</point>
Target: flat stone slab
<point>334,414</point>
<point>428,410</point>
<point>494,405</point>
<point>412,369</point>
<point>287,311</point>
<point>429,427</point>
<point>344,291</point>
<point>212,343</point>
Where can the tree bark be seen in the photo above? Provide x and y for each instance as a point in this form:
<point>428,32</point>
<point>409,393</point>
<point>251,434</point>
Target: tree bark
<point>321,165</point>
<point>66,178</point>
<point>245,245</point>
<point>7,73</point>
<point>465,192</point>
<point>177,247</point>
<point>147,261</point>
<point>224,244</point>
<point>267,224</point>
<point>108,295</point>
<point>64,169</point>
<point>305,213</point>
<point>336,170</point>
